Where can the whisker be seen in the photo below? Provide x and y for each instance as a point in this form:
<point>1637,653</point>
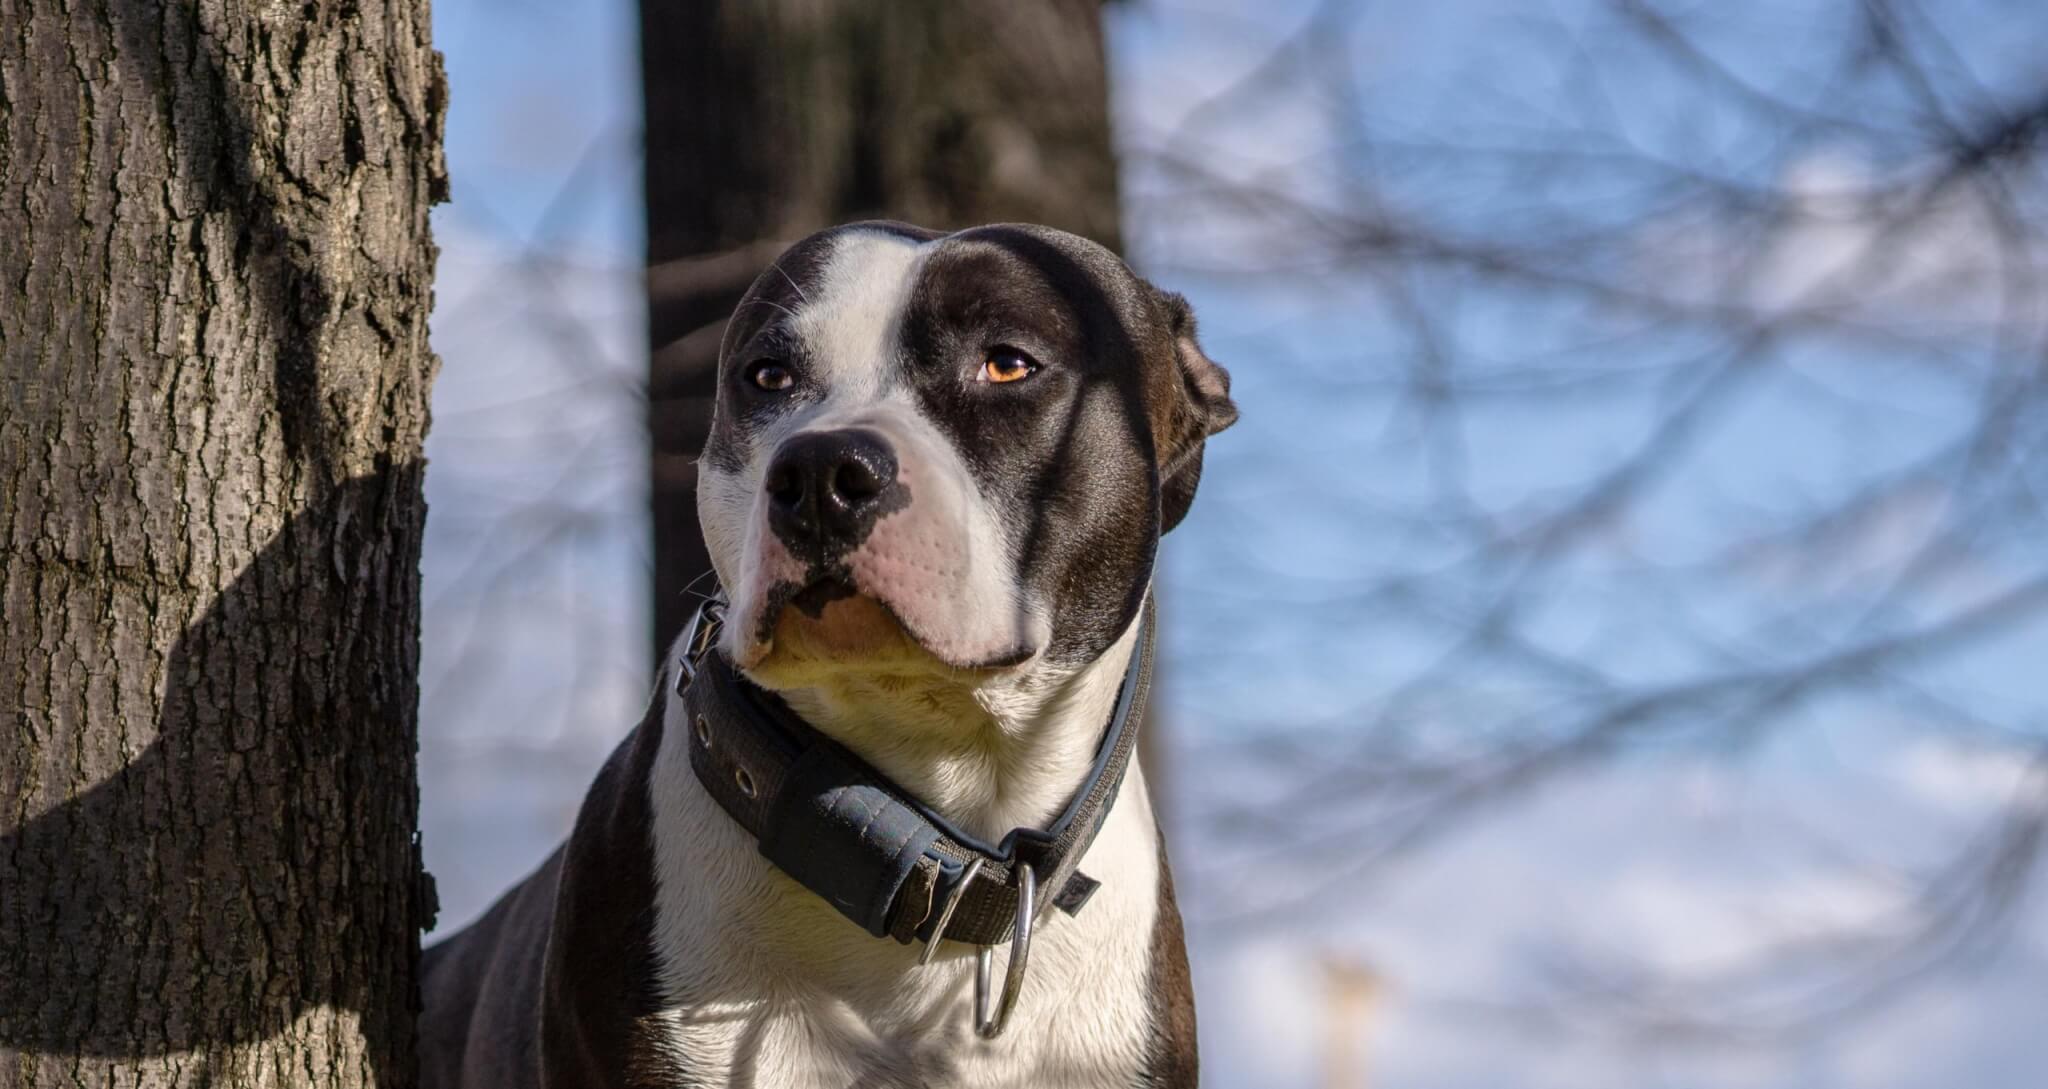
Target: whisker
<point>691,589</point>
<point>765,302</point>
<point>742,306</point>
<point>794,286</point>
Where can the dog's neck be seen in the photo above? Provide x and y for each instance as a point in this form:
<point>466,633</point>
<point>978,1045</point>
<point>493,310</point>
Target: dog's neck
<point>989,755</point>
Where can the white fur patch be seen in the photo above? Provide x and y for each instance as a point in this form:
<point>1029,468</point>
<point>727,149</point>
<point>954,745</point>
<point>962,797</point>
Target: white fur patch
<point>849,320</point>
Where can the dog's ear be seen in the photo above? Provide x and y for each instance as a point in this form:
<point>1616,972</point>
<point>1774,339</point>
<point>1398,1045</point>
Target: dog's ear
<point>1199,406</point>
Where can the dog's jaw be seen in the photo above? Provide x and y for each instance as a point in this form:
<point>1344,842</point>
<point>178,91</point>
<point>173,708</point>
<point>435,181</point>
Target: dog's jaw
<point>990,752</point>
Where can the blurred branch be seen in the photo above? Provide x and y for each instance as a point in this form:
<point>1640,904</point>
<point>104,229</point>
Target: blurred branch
<point>1853,249</point>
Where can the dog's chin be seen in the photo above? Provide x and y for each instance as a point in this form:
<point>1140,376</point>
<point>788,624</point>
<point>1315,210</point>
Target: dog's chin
<point>829,629</point>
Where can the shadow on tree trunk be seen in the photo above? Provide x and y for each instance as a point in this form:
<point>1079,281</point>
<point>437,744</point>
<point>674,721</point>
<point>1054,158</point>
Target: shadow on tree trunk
<point>252,873</point>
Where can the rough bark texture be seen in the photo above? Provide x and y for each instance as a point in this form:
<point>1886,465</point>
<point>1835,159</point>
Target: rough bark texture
<point>213,308</point>
<point>769,119</point>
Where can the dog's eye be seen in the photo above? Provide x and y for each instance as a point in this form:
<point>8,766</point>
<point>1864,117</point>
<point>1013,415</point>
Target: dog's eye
<point>1006,364</point>
<point>769,375</point>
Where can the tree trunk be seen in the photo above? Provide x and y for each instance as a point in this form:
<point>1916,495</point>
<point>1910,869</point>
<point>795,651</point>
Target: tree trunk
<point>769,119</point>
<point>213,320</point>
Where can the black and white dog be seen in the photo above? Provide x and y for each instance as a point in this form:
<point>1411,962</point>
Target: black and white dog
<point>933,493</point>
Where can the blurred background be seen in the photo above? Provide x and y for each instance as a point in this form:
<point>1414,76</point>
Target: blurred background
<point>1610,650</point>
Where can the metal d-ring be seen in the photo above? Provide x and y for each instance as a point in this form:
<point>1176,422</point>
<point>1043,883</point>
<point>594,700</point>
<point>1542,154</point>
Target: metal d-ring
<point>946,913</point>
<point>991,1017</point>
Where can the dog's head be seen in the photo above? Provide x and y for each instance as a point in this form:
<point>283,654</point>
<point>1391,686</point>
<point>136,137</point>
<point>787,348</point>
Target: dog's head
<point>948,452</point>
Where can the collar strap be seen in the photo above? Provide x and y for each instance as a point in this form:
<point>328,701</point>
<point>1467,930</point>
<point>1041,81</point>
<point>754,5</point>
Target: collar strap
<point>843,830</point>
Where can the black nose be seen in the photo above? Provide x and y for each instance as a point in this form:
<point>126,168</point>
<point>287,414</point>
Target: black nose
<point>826,488</point>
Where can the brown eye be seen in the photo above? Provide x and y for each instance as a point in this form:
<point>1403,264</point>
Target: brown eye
<point>1007,365</point>
<point>770,375</point>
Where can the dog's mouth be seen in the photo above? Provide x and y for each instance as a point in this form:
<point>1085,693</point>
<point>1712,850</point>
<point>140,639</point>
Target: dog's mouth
<point>830,624</point>
<point>826,623</point>
<point>812,597</point>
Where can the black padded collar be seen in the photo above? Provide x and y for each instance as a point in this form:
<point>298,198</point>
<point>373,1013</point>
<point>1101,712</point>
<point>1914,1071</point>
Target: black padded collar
<point>843,830</point>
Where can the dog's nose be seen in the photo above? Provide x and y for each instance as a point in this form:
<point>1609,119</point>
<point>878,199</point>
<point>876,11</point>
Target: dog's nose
<point>826,488</point>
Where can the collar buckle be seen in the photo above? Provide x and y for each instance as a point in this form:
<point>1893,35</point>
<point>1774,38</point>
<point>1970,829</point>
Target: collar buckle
<point>946,913</point>
<point>698,637</point>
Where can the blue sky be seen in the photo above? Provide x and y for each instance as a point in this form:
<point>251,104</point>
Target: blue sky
<point>1679,857</point>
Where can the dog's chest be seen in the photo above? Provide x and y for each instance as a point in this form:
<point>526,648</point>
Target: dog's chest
<point>767,985</point>
<point>1071,1029</point>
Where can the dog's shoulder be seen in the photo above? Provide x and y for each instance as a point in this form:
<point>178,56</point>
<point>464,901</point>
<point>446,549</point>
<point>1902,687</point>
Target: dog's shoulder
<point>560,970</point>
<point>1171,1061</point>
<point>478,991</point>
<point>601,990</point>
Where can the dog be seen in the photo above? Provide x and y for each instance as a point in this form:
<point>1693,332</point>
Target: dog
<point>896,751</point>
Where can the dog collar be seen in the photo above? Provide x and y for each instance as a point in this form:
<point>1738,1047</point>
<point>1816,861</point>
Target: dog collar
<point>884,859</point>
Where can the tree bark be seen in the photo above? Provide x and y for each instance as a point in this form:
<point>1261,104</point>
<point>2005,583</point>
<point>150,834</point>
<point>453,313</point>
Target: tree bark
<point>213,320</point>
<point>769,119</point>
